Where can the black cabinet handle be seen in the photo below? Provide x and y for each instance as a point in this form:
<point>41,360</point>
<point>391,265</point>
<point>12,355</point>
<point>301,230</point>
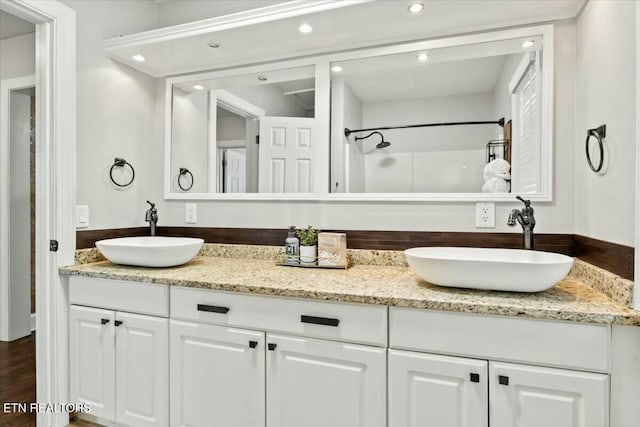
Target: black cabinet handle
<point>104,321</point>
<point>253,344</point>
<point>117,323</point>
<point>272,346</point>
<point>326,321</point>
<point>475,378</point>
<point>503,380</point>
<point>213,308</point>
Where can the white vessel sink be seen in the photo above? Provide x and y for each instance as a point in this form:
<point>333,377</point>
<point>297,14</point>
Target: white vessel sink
<point>150,251</point>
<point>511,270</point>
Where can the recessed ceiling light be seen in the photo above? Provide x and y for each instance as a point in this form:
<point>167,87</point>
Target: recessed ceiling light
<point>262,78</point>
<point>198,87</point>
<point>305,28</point>
<point>336,68</point>
<point>423,57</point>
<point>138,57</point>
<point>213,45</point>
<point>416,7</point>
<point>527,44</point>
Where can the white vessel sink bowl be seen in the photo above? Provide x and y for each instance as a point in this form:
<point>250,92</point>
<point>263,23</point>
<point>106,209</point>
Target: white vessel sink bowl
<point>150,251</point>
<point>512,270</point>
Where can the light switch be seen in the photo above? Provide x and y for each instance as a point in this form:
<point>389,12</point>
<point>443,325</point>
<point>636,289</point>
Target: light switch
<point>191,213</point>
<point>82,216</point>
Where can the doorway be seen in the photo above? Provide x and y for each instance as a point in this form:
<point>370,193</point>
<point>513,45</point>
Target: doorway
<point>55,88</point>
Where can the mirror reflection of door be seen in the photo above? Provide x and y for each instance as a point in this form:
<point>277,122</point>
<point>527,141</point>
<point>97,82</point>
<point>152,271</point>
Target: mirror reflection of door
<point>234,166</point>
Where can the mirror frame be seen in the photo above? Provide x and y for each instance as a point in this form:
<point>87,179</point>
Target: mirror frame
<point>322,65</point>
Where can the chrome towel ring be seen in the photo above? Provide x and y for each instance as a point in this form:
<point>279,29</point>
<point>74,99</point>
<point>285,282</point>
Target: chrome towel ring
<point>598,133</point>
<point>118,162</point>
<point>183,172</point>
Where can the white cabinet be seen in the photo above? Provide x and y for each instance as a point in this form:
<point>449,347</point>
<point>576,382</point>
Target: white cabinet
<point>523,396</point>
<point>217,376</point>
<point>92,359</point>
<point>142,370</point>
<point>318,383</point>
<point>432,390</point>
<point>119,365</point>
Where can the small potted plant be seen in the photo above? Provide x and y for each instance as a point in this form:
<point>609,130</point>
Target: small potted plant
<point>308,240</point>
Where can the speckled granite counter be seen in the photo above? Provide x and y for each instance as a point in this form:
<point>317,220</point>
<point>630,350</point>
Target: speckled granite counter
<point>570,300</point>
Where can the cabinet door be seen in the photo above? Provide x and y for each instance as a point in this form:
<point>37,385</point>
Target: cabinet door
<point>530,396</point>
<point>217,376</point>
<point>142,370</point>
<point>92,359</point>
<point>430,390</point>
<point>317,383</point>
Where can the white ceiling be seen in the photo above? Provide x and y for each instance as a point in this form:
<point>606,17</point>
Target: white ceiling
<point>12,26</point>
<point>365,24</point>
<point>466,77</point>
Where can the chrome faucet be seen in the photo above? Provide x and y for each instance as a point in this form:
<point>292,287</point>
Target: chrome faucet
<point>526,219</point>
<point>152,217</point>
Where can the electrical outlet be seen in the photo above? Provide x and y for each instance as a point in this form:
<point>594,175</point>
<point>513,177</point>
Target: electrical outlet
<point>191,213</point>
<point>485,215</point>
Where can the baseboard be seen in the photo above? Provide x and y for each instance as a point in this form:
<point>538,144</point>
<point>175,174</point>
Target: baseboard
<point>33,322</point>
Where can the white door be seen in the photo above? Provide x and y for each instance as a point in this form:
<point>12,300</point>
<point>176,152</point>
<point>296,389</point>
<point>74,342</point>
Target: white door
<point>530,396</point>
<point>142,370</point>
<point>235,170</point>
<point>430,390</point>
<point>318,383</point>
<point>92,359</point>
<point>287,153</point>
<point>217,376</point>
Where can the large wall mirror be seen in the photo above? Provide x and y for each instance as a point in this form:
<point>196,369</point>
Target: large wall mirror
<point>463,118</point>
<point>248,133</point>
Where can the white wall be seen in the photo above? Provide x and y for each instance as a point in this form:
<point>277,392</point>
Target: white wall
<point>190,134</point>
<point>271,100</point>
<point>605,94</point>
<point>501,93</point>
<point>19,216</point>
<point>18,56</point>
<point>460,108</point>
<point>115,114</point>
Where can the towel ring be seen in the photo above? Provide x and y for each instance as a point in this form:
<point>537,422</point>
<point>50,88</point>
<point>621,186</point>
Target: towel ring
<point>118,162</point>
<point>598,133</point>
<point>185,171</point>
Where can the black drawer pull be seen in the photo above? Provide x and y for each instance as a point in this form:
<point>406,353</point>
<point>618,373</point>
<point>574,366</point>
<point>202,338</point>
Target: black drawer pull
<point>272,346</point>
<point>117,323</point>
<point>326,321</point>
<point>213,308</point>
<point>253,344</point>
<point>104,321</point>
<point>475,378</point>
<point>503,380</point>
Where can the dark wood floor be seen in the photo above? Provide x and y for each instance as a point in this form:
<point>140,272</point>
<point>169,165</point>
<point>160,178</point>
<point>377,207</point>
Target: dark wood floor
<point>18,379</point>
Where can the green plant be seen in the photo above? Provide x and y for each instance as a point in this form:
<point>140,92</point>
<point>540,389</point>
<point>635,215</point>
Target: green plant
<point>308,236</point>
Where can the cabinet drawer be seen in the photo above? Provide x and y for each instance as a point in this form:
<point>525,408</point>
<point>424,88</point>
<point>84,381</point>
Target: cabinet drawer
<point>342,322</point>
<point>132,297</point>
<point>561,344</point>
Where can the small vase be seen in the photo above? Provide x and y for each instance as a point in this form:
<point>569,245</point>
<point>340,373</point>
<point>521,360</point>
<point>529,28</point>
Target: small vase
<point>308,254</point>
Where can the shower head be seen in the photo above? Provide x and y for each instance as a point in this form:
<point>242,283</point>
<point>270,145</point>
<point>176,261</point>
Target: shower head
<point>381,144</point>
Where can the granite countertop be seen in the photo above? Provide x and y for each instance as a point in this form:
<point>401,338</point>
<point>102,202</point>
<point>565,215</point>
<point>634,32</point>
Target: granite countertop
<point>570,300</point>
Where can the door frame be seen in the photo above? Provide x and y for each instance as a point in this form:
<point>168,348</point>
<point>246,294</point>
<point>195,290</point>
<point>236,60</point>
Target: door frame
<point>55,190</point>
<point>636,287</point>
<point>6,87</point>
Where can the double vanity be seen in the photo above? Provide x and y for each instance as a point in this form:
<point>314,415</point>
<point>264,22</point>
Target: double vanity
<point>239,341</point>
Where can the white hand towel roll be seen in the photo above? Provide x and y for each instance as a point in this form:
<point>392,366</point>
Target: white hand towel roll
<point>495,185</point>
<point>497,166</point>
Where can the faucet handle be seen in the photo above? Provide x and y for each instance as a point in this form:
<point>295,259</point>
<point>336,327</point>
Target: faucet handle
<point>527,203</point>
<point>153,205</point>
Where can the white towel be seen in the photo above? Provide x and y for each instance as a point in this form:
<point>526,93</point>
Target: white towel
<point>496,168</point>
<point>495,185</point>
